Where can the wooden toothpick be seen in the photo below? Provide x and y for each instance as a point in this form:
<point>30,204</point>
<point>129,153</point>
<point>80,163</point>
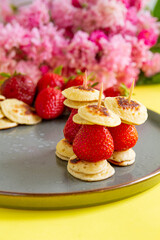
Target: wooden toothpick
<point>131,91</point>
<point>85,80</point>
<point>100,96</point>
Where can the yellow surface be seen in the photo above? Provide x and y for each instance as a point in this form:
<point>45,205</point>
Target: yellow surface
<point>130,219</point>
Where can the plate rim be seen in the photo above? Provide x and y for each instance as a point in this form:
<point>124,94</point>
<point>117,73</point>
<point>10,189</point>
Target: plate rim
<point>118,186</point>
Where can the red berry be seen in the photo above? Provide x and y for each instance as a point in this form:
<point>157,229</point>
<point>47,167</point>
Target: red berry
<point>75,82</point>
<point>124,136</point>
<point>93,143</point>
<point>20,87</point>
<point>71,128</point>
<point>117,90</point>
<point>112,91</point>
<point>50,79</point>
<point>49,103</point>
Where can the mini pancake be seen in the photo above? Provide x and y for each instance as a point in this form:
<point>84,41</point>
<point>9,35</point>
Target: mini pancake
<point>77,119</point>
<point>6,123</point>
<point>1,114</point>
<point>19,112</point>
<point>107,172</point>
<point>85,167</point>
<point>2,97</point>
<point>123,158</point>
<point>64,150</point>
<point>101,116</point>
<point>62,157</point>
<point>80,94</point>
<point>77,104</point>
<point>130,113</point>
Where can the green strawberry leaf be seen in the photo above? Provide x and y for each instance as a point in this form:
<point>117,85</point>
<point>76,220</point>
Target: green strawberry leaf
<point>5,75</point>
<point>58,70</point>
<point>124,90</point>
<point>94,84</point>
<point>79,72</point>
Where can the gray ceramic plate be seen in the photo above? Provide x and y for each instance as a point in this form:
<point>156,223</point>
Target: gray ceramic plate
<point>31,176</point>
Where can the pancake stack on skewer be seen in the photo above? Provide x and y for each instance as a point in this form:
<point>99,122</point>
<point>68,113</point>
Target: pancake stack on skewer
<point>75,98</point>
<point>93,144</point>
<point>131,113</point>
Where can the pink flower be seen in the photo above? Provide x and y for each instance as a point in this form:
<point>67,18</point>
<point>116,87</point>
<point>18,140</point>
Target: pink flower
<point>139,4</point>
<point>12,35</point>
<point>45,43</point>
<point>6,11</point>
<point>146,21</point>
<point>95,37</point>
<point>44,69</point>
<point>127,75</point>
<point>148,36</point>
<point>81,52</point>
<point>111,13</point>
<point>76,3</point>
<point>152,65</point>
<point>34,15</point>
<point>139,52</point>
<point>63,13</point>
<point>117,54</point>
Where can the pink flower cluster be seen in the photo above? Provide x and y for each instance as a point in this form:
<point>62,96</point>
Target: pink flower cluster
<point>111,38</point>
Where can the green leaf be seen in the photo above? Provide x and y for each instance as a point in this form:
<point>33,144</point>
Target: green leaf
<point>143,80</point>
<point>156,47</point>
<point>58,70</point>
<point>94,84</point>
<point>156,10</point>
<point>6,75</point>
<point>14,8</point>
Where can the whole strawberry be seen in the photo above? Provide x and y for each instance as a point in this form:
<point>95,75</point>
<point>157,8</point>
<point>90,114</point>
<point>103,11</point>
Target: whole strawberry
<point>75,82</point>
<point>49,103</point>
<point>93,143</point>
<point>124,136</point>
<point>50,79</point>
<point>117,90</point>
<point>19,86</point>
<point>71,128</point>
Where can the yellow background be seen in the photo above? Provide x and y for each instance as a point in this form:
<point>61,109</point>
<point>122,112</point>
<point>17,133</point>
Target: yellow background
<point>134,218</point>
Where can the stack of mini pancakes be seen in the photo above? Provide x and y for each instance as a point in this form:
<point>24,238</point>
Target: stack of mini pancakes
<point>132,113</point>
<point>116,110</point>
<point>14,112</point>
<point>76,97</point>
<point>92,114</point>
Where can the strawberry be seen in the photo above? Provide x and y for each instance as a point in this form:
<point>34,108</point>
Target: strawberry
<point>71,128</point>
<point>50,79</point>
<point>124,136</point>
<point>49,103</point>
<point>93,143</point>
<point>75,82</point>
<point>18,86</point>
<point>117,90</point>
